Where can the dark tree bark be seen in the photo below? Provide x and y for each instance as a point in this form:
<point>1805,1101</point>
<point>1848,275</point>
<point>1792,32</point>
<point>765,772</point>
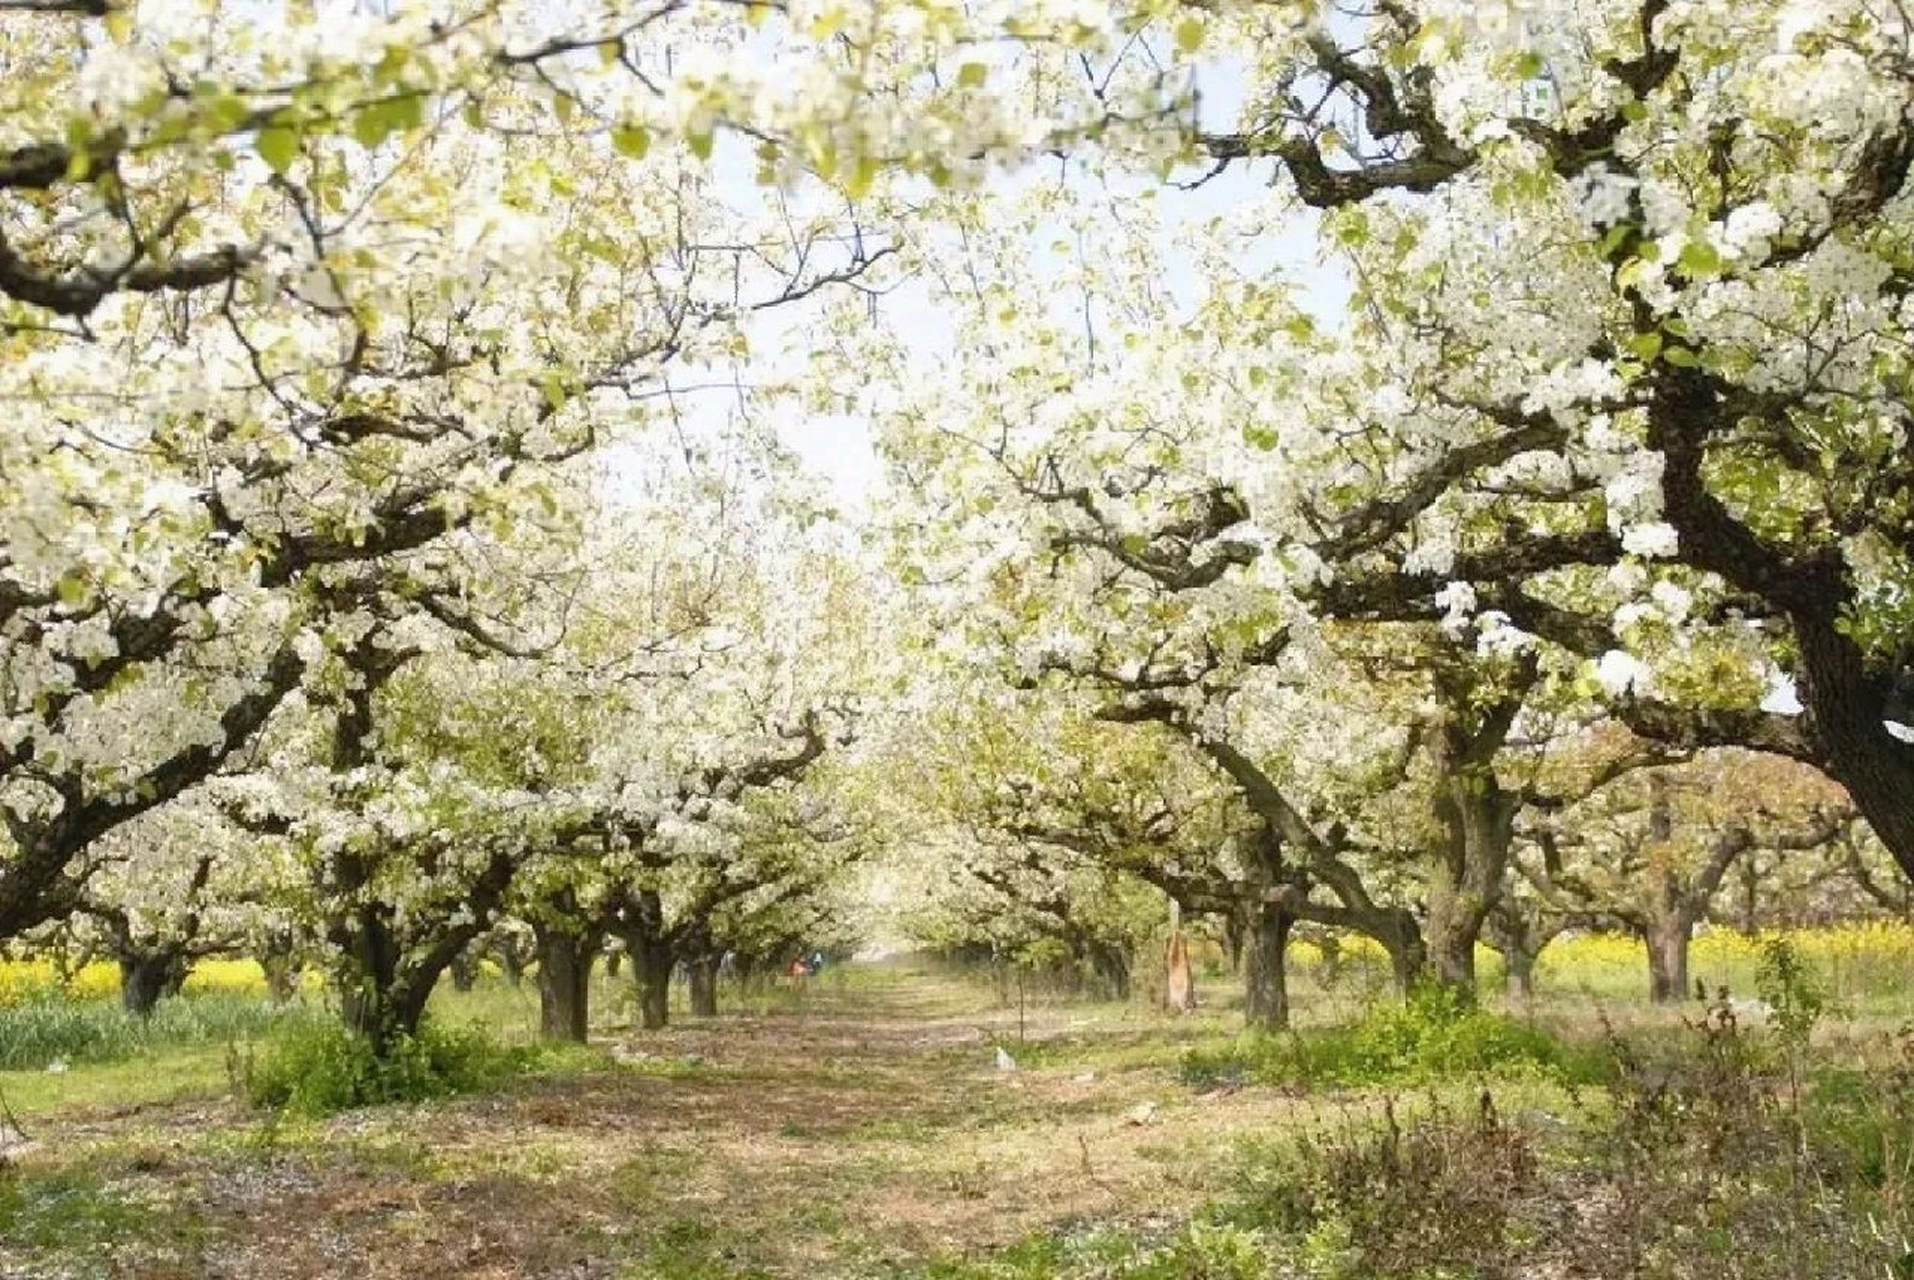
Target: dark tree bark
<point>565,959</point>
<point>1233,940</point>
<point>511,962</point>
<point>639,923</point>
<point>278,962</point>
<point>701,975</point>
<point>148,975</point>
<point>1111,964</point>
<point>654,989</point>
<point>1476,815</point>
<point>1520,977</point>
<point>1520,932</point>
<point>464,971</point>
<point>1668,940</point>
<point>389,963</point>
<point>1266,966</point>
<point>380,999</point>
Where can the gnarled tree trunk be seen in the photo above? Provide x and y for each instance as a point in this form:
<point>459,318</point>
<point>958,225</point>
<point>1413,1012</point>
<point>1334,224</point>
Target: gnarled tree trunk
<point>147,975</point>
<point>1265,966</point>
<point>380,999</point>
<point>701,984</point>
<point>564,982</point>
<point>464,972</point>
<point>277,961</point>
<point>1111,964</point>
<point>1668,938</point>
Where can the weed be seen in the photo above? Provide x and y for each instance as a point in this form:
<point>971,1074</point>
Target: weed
<point>1436,1034</point>
<point>320,1069</point>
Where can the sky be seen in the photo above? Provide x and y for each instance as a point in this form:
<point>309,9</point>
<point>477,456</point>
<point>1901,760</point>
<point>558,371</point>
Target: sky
<point>841,450</point>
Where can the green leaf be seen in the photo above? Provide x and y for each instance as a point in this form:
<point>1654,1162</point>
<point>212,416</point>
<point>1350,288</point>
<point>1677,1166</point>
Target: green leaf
<point>1189,34</point>
<point>278,147</point>
<point>862,176</point>
<point>700,144</point>
<point>1645,345</point>
<point>1681,357</point>
<point>226,112</point>
<point>372,125</point>
<point>1698,258</point>
<point>632,140</point>
<point>972,75</point>
<point>408,111</point>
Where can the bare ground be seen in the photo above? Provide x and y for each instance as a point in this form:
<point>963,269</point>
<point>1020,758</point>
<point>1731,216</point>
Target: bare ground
<point>860,1136</point>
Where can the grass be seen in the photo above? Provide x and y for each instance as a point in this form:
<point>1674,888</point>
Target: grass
<point>856,1128</point>
<point>169,1075</point>
<point>1432,1037</point>
<point>51,1032</point>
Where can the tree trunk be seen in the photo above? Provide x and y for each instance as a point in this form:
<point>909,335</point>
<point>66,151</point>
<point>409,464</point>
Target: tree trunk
<point>464,972</point>
<point>1843,700</point>
<point>1519,961</point>
<point>702,983</point>
<point>1179,992</point>
<point>1468,872</point>
<point>1233,941</point>
<point>281,970</point>
<point>386,1014</point>
<point>1453,924</point>
<point>652,962</point>
<point>511,961</point>
<point>1408,957</point>
<point>146,976</point>
<point>1667,940</point>
<point>1111,964</point>
<point>564,984</point>
<point>380,998</point>
<point>1329,947</point>
<point>1265,967</point>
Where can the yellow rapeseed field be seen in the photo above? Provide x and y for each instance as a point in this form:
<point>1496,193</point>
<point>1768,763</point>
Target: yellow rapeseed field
<point>26,980</point>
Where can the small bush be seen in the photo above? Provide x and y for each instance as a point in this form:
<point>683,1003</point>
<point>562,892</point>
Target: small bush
<point>1436,1034</point>
<point>322,1068</point>
<point>1436,1194</point>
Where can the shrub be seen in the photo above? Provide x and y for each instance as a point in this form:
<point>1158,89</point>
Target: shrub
<point>1435,1195</point>
<point>1437,1033</point>
<point>1717,1162</point>
<point>317,1069</point>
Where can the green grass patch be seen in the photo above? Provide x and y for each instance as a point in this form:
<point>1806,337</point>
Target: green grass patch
<point>1437,1034</point>
<point>75,1222</point>
<point>691,1249</point>
<point>55,1032</point>
<point>319,1069</point>
<point>1199,1248</point>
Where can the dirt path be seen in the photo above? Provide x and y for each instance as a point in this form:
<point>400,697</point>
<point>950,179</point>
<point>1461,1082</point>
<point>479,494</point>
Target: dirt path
<point>859,1136</point>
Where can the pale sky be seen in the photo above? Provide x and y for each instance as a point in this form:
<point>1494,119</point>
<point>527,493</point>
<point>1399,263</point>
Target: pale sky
<point>841,450</point>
